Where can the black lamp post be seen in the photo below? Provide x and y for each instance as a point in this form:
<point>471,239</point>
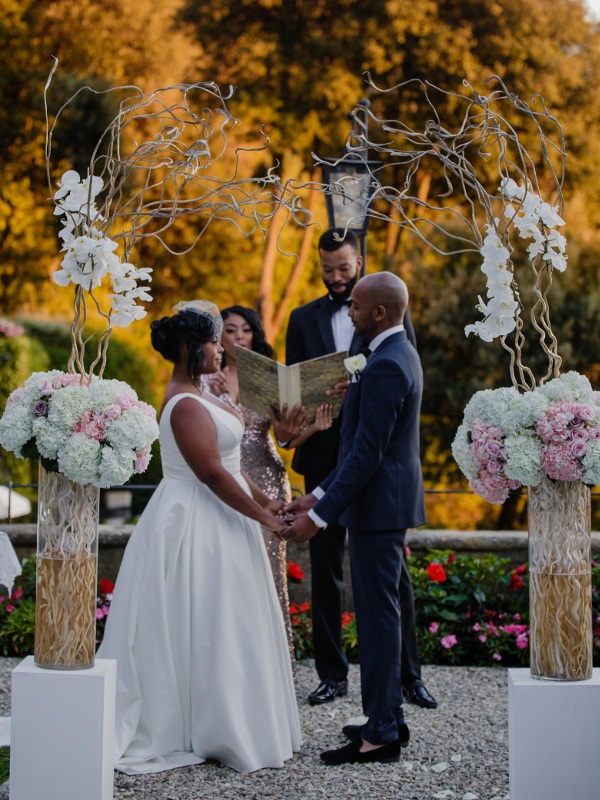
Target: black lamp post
<point>355,174</point>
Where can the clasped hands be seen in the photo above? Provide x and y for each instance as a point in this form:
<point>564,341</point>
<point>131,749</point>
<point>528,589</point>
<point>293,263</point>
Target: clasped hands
<point>296,525</point>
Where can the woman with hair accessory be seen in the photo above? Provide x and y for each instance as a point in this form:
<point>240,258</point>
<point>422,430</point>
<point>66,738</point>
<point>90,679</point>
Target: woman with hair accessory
<point>195,621</point>
<point>260,459</point>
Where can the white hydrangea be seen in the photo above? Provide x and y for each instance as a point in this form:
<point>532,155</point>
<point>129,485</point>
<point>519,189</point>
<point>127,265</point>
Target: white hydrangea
<point>16,428</point>
<point>104,393</point>
<point>461,450</point>
<point>491,405</point>
<point>591,463</point>
<point>524,458</point>
<point>32,390</point>
<point>49,437</point>
<point>68,406</point>
<point>116,467</point>
<point>524,412</point>
<point>133,429</point>
<point>79,459</point>
<point>570,386</point>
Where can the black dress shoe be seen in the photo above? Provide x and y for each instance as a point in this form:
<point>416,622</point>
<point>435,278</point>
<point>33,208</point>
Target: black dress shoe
<point>417,694</point>
<point>327,692</point>
<point>354,732</point>
<point>350,754</point>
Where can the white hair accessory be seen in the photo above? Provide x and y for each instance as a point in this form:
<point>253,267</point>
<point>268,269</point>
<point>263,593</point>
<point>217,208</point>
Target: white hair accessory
<point>204,307</point>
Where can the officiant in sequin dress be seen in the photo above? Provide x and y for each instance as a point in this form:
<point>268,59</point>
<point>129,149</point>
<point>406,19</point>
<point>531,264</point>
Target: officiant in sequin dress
<point>260,458</point>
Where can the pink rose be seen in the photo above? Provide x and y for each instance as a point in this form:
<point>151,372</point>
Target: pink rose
<point>522,641</point>
<point>73,380</point>
<point>495,466</point>
<point>125,401</point>
<point>580,435</point>
<point>594,433</point>
<point>46,387</point>
<point>142,459</point>
<point>497,657</point>
<point>433,627</point>
<point>146,409</point>
<point>482,638</point>
<point>579,449</point>
<point>586,413</point>
<point>113,412</point>
<point>477,627</point>
<point>448,641</point>
<point>14,397</point>
<point>493,447</point>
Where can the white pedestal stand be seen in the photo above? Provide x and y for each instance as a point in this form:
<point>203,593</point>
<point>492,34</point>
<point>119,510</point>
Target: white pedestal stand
<point>553,736</point>
<point>62,737</point>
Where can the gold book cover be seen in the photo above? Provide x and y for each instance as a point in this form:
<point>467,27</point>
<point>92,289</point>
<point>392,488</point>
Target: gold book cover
<point>264,382</point>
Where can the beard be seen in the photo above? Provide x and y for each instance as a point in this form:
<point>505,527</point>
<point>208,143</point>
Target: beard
<point>347,291</point>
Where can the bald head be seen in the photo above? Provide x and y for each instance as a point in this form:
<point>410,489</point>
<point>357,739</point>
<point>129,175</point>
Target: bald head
<point>378,302</point>
<point>387,290</point>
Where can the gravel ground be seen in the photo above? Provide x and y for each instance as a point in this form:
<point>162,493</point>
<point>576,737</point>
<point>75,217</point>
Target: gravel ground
<point>459,750</point>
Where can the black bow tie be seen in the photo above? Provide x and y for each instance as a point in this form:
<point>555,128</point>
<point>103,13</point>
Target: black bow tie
<point>336,304</point>
<point>364,349</point>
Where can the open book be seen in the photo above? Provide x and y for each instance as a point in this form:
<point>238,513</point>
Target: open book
<point>264,382</point>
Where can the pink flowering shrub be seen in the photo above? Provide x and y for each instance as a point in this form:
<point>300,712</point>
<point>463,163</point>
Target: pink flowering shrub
<point>477,616</point>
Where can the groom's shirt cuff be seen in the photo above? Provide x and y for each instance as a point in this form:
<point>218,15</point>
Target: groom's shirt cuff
<point>316,518</point>
<point>318,492</point>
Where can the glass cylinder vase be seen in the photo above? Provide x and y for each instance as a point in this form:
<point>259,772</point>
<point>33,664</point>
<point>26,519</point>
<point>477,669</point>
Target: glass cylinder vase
<point>67,550</point>
<point>560,588</point>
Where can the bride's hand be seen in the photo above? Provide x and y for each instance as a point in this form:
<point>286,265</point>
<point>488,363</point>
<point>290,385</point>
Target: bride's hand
<point>218,383</point>
<point>273,507</point>
<point>274,524</point>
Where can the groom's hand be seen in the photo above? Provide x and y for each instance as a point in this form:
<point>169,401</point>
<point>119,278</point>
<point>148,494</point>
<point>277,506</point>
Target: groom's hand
<point>302,529</point>
<point>301,505</point>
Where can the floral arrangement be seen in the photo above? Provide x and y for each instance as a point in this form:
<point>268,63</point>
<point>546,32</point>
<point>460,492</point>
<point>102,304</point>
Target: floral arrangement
<point>94,431</point>
<point>509,439</point>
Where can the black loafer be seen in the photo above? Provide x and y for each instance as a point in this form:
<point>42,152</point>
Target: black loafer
<point>350,754</point>
<point>354,732</point>
<point>417,694</point>
<point>327,692</point>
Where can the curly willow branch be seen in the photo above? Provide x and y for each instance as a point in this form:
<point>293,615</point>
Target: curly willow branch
<point>170,173</point>
<point>484,144</point>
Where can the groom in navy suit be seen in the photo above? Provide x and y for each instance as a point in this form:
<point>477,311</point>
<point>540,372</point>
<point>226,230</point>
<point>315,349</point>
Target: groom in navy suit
<point>376,491</point>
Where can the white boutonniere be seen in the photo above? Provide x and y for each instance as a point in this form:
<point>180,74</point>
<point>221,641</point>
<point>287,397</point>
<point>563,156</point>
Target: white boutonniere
<point>355,365</point>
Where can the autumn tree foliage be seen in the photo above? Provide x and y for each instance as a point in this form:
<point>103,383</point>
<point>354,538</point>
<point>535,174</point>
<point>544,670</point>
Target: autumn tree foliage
<point>298,67</point>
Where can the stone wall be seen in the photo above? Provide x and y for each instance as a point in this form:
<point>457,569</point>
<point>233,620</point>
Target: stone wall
<point>507,544</point>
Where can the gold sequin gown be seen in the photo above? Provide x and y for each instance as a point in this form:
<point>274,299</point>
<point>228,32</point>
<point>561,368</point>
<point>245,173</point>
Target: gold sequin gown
<point>263,464</point>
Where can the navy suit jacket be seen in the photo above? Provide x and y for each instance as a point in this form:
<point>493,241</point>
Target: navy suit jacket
<point>377,483</point>
<point>310,335</point>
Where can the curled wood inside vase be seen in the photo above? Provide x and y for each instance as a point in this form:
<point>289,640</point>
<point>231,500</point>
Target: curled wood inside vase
<point>561,626</point>
<point>65,618</point>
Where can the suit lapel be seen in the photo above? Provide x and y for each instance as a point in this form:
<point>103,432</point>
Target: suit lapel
<point>322,314</point>
<point>354,345</point>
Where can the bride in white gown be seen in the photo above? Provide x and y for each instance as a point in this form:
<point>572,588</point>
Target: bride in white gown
<point>203,669</point>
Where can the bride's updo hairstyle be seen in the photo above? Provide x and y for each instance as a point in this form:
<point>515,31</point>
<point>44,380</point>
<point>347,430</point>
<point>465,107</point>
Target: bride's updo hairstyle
<point>189,328</point>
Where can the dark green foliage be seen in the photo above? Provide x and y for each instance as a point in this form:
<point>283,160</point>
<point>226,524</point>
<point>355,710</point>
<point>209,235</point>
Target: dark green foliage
<point>17,628</point>
<point>4,764</point>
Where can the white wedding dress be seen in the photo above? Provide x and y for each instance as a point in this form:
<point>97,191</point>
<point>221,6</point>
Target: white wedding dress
<point>203,668</point>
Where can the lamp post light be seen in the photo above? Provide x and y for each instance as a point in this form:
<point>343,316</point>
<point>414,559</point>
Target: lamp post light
<point>355,174</point>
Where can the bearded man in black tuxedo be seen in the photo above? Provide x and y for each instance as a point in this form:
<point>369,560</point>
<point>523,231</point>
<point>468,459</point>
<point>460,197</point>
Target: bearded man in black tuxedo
<point>315,330</point>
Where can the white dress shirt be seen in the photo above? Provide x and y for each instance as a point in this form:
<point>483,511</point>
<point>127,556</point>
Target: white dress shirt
<point>343,329</point>
<point>373,345</point>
